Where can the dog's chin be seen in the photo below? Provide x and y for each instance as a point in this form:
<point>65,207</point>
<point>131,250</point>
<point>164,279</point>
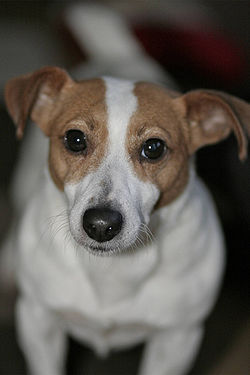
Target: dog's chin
<point>110,248</point>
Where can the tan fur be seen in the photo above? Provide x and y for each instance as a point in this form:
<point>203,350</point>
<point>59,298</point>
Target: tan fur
<point>82,107</point>
<point>156,118</point>
<point>211,116</point>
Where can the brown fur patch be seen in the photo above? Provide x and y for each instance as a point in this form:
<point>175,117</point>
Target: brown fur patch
<point>212,116</point>
<point>156,117</point>
<point>81,107</point>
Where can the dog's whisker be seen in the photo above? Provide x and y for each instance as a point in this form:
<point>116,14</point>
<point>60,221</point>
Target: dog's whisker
<point>67,237</point>
<point>76,249</point>
<point>140,241</point>
<point>142,237</point>
<point>148,231</point>
<point>57,224</point>
<point>61,215</point>
<point>48,228</point>
<point>59,229</point>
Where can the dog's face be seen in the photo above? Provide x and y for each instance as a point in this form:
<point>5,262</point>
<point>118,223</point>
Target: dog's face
<point>109,152</point>
<point>119,150</point>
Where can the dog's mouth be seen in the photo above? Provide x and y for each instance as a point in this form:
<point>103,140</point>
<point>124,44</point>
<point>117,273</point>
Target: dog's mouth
<point>120,247</point>
<point>101,250</point>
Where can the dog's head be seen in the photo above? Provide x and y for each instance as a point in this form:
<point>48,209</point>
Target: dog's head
<point>118,149</point>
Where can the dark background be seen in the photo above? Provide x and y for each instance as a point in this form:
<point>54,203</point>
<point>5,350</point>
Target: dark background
<point>33,34</point>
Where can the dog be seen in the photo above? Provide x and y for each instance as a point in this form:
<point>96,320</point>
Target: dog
<point>120,242</point>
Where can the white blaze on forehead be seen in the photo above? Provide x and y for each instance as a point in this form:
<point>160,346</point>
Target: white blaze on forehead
<point>121,104</point>
<point>136,197</point>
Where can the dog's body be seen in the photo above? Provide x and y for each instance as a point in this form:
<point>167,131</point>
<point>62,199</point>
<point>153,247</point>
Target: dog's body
<point>157,285</point>
<point>160,292</point>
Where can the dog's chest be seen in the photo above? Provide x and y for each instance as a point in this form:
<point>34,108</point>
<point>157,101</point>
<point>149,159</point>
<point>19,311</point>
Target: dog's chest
<point>84,285</point>
<point>93,299</point>
<point>104,334</point>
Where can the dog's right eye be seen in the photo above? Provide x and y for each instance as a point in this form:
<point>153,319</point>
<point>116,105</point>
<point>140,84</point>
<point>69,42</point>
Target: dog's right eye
<point>75,140</point>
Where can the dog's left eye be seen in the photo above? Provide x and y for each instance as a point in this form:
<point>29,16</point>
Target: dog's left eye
<point>75,140</point>
<point>153,149</point>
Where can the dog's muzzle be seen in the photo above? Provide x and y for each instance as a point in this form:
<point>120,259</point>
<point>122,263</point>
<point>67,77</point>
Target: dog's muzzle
<point>102,224</point>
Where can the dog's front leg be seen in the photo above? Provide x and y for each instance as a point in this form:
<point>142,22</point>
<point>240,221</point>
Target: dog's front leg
<point>41,339</point>
<point>171,352</point>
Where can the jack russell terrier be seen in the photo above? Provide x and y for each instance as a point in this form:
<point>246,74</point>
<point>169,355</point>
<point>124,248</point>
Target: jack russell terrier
<point>120,242</point>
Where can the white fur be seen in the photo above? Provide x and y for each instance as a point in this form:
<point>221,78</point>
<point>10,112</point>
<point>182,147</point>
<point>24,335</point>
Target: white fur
<point>158,293</point>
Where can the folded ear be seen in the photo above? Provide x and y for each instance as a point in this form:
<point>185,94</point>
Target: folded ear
<point>33,95</point>
<point>211,117</point>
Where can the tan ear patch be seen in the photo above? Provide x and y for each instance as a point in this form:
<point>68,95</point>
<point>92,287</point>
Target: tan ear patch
<point>33,95</point>
<point>156,118</point>
<point>211,116</point>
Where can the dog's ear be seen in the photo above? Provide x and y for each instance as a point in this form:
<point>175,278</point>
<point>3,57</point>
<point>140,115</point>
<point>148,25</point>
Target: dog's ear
<point>33,95</point>
<point>212,115</point>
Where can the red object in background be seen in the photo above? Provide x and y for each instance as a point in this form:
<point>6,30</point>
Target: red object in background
<point>211,53</point>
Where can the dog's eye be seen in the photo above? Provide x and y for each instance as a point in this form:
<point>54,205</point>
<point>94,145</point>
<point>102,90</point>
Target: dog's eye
<point>75,140</point>
<point>153,149</point>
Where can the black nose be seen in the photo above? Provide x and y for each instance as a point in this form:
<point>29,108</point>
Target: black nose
<point>102,224</point>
